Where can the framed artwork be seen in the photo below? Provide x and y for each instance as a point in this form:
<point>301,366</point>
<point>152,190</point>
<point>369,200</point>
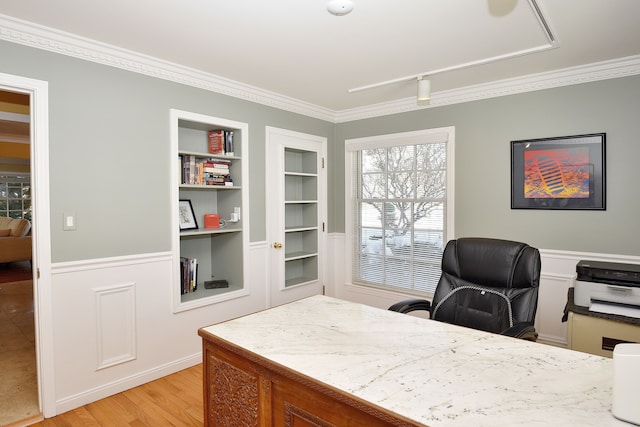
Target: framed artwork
<point>559,173</point>
<point>186,217</point>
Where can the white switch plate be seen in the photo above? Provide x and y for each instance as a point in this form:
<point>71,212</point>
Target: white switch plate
<point>69,221</point>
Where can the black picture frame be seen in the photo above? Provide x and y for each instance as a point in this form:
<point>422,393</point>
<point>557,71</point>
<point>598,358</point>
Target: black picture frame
<point>562,173</point>
<point>186,216</point>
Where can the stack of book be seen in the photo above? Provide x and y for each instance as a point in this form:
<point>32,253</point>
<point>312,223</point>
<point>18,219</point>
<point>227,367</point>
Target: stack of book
<point>221,142</point>
<point>188,274</point>
<point>199,171</point>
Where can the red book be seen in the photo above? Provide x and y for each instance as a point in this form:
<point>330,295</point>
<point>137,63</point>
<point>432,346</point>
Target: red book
<point>216,141</point>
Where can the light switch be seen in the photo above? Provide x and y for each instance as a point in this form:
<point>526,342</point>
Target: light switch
<point>69,222</point>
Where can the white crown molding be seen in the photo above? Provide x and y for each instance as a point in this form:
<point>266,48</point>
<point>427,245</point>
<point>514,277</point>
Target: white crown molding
<point>34,35</point>
<point>41,37</point>
<point>620,67</point>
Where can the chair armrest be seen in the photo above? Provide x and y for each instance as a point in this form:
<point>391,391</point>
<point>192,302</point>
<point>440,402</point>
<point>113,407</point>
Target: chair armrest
<point>409,305</point>
<point>523,331</point>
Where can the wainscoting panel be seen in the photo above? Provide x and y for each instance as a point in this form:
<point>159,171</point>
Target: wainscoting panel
<point>552,298</point>
<point>116,324</point>
<point>114,327</point>
<point>556,277</point>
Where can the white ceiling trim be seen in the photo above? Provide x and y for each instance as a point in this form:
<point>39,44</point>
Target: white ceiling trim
<point>34,35</point>
<point>612,69</point>
<point>41,37</point>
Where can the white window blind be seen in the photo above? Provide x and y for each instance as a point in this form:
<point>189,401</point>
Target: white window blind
<point>399,208</point>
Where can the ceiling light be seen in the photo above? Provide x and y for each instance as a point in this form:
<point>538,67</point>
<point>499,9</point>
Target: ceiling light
<point>424,91</point>
<point>340,7</point>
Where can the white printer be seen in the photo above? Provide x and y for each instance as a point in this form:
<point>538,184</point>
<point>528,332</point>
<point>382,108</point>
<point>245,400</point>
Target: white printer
<point>607,282</point>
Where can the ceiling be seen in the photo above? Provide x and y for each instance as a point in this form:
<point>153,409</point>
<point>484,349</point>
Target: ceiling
<point>297,49</point>
<point>14,128</point>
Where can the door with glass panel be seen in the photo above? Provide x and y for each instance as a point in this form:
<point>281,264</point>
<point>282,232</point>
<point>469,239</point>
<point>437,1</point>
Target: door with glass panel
<point>296,214</point>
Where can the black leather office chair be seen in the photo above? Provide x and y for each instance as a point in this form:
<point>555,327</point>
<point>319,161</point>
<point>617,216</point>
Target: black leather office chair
<point>486,284</point>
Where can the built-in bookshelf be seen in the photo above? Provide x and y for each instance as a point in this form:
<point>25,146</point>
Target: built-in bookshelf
<point>301,216</point>
<point>211,205</point>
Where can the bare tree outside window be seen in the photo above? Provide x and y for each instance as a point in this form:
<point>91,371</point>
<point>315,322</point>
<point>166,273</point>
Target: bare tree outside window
<point>401,205</point>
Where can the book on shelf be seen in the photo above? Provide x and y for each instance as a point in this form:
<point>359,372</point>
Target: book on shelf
<point>188,169</point>
<point>205,171</point>
<point>211,179</point>
<point>220,142</point>
<point>216,141</point>
<point>188,275</point>
<point>215,168</point>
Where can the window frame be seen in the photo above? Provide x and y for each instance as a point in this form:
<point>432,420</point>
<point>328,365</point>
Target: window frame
<point>352,147</point>
<point>22,180</point>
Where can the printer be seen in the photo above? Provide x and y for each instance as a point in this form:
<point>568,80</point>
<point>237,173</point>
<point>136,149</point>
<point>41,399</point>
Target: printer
<point>607,282</point>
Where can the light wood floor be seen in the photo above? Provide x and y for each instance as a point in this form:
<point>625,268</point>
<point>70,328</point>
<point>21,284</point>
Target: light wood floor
<point>18,376</point>
<point>175,400</point>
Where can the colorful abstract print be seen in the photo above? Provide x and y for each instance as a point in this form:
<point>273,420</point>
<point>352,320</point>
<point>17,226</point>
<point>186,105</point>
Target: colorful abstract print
<point>560,173</point>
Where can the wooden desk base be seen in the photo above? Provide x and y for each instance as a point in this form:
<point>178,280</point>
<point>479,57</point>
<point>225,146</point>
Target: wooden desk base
<point>243,389</point>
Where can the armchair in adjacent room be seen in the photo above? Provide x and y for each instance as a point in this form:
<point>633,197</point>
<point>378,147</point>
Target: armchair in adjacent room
<point>486,284</point>
<point>15,240</point>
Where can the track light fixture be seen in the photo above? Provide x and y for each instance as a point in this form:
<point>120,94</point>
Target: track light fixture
<point>424,91</point>
<point>552,43</point>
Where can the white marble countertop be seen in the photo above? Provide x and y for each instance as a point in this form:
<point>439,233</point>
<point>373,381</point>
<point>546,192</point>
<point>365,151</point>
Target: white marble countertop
<point>433,373</point>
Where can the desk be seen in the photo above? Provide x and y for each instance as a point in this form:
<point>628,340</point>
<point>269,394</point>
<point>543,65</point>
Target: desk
<point>322,361</point>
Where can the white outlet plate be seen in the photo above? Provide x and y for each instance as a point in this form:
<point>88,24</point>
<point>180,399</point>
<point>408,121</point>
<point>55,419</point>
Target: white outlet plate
<point>69,221</point>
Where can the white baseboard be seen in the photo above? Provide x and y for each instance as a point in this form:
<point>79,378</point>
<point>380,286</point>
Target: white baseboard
<point>109,389</point>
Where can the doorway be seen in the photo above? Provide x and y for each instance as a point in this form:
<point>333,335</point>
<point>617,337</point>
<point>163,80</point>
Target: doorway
<point>19,385</point>
<point>29,98</point>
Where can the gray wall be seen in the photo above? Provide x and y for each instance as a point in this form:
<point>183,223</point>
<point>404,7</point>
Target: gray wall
<point>484,130</point>
<point>109,151</point>
<point>109,156</point>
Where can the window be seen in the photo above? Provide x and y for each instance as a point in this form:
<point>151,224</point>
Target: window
<point>15,196</point>
<point>400,208</point>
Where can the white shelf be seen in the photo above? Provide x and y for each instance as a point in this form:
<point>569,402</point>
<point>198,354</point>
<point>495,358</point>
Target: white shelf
<point>206,155</point>
<point>289,283</point>
<point>293,229</point>
<point>205,231</point>
<point>210,187</point>
<point>300,174</point>
<point>220,252</point>
<point>301,216</point>
<point>299,255</point>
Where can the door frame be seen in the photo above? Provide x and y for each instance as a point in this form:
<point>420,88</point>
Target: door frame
<point>38,91</point>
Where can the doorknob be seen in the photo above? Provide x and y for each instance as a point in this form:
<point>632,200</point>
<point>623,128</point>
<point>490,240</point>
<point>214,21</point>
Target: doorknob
<point>277,245</point>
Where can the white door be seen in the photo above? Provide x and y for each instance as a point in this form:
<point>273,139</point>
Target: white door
<point>296,214</point>
<point>38,92</point>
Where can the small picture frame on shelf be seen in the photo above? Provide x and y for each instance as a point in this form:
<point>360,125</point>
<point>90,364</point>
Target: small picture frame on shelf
<point>186,217</point>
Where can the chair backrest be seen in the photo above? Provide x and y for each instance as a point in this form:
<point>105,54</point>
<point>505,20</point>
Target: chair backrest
<point>487,284</point>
